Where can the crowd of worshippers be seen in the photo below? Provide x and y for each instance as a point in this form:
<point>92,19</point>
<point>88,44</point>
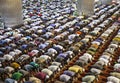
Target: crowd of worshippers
<point>51,37</point>
<point>36,10</point>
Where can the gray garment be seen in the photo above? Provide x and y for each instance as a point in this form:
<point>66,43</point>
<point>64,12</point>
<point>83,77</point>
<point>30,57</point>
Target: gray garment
<point>97,66</point>
<point>65,78</point>
<point>8,80</point>
<point>53,68</point>
<point>100,63</point>
<point>24,72</point>
<point>28,67</point>
<point>81,63</point>
<point>56,63</point>
<point>23,58</point>
<point>2,59</point>
<point>84,58</point>
<point>105,57</point>
<point>95,71</point>
<point>88,78</point>
<point>116,66</point>
<point>2,70</point>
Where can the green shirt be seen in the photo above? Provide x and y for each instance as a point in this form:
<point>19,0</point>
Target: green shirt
<point>16,76</point>
<point>35,65</point>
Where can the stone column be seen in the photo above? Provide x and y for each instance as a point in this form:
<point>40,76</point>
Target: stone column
<point>11,11</point>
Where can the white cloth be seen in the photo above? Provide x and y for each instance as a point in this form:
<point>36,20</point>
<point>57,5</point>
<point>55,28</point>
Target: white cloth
<point>8,57</point>
<point>113,79</point>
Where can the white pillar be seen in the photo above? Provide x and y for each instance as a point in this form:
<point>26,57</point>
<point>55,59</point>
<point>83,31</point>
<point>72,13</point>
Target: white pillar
<point>11,12</point>
<point>85,6</point>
